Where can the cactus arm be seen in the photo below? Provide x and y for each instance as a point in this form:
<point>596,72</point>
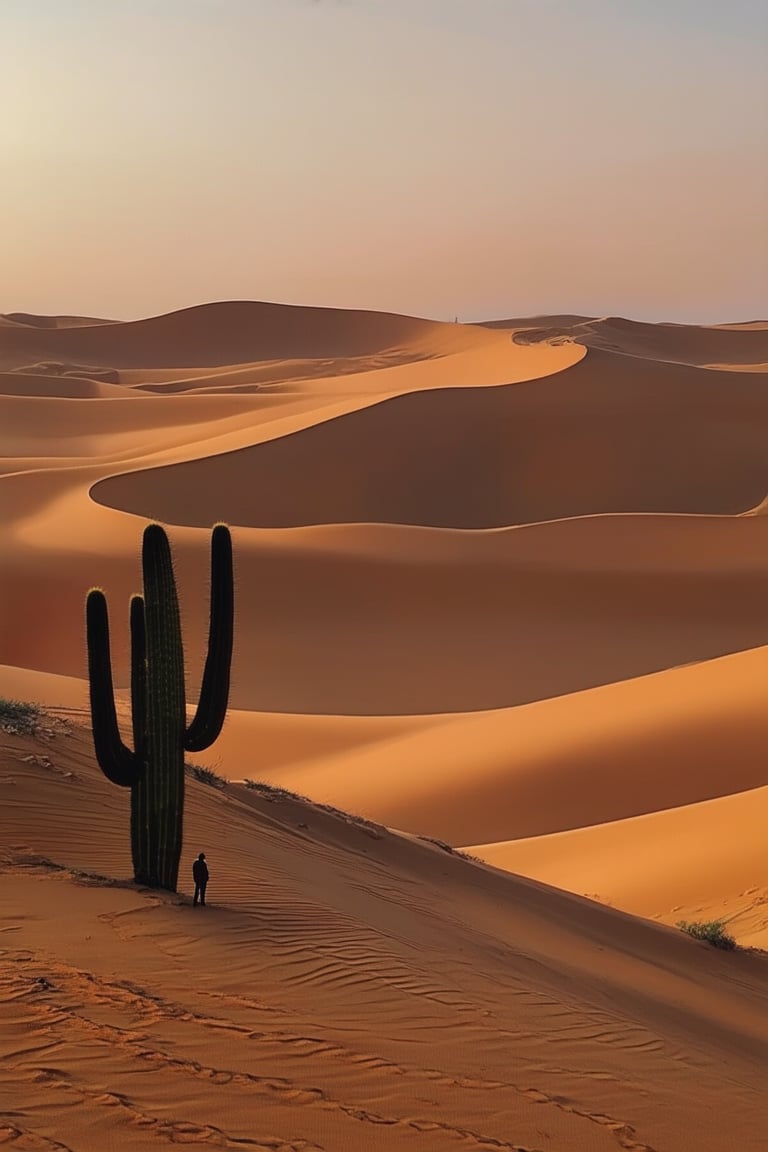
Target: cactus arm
<point>214,691</point>
<point>118,763</point>
<point>165,707</point>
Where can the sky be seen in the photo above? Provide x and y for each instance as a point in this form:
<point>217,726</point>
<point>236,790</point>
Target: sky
<point>442,158</point>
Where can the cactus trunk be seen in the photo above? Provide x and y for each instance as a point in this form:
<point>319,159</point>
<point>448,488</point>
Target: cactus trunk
<point>140,790</point>
<point>166,712</point>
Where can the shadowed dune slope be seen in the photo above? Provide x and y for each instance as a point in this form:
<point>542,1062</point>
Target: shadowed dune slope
<point>216,334</point>
<point>30,320</point>
<point>704,861</point>
<point>717,344</point>
<point>686,344</point>
<point>562,320</point>
<point>657,742</point>
<point>345,987</point>
<point>42,385</point>
<point>609,434</point>
<point>388,620</point>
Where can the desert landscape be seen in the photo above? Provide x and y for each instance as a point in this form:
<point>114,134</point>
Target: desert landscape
<point>500,617</point>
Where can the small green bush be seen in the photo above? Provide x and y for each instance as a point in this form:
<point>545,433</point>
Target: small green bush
<point>713,931</point>
<point>18,718</point>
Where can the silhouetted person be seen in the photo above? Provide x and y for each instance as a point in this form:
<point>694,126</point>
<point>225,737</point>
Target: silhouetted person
<point>200,877</point>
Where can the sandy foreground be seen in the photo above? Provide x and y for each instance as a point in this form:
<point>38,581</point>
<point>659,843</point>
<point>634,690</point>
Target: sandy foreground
<point>501,586</point>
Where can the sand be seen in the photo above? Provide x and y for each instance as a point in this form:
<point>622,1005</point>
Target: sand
<point>498,585</point>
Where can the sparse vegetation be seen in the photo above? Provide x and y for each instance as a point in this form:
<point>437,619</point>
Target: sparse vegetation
<point>275,792</point>
<point>19,718</point>
<point>206,776</point>
<point>712,931</point>
<point>441,844</point>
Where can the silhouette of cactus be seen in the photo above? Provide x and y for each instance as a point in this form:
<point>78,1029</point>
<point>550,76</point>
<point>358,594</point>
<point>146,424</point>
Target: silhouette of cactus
<point>154,768</point>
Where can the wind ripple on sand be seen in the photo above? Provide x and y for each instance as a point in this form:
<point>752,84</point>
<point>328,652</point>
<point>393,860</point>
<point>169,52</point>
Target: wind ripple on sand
<point>345,987</point>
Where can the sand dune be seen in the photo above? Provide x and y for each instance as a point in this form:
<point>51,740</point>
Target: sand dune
<point>346,987</point>
<point>217,334</point>
<point>703,861</point>
<point>562,320</point>
<point>388,618</point>
<point>576,761</point>
<point>30,320</point>
<point>579,760</point>
<point>353,620</point>
<point>500,585</point>
<point>626,438</point>
<point>682,343</point>
<point>68,386</point>
<point>721,345</point>
<point>536,612</point>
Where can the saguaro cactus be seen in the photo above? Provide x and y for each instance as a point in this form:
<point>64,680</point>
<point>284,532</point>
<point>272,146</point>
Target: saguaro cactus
<point>154,768</point>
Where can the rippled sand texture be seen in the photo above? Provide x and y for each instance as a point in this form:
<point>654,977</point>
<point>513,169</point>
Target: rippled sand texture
<point>500,585</point>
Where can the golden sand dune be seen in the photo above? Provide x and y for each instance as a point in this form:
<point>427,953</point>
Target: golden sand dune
<point>704,861</point>
<point>390,619</point>
<point>353,619</point>
<point>499,585</point>
<point>345,987</point>
<point>583,759</point>
<point>575,761</point>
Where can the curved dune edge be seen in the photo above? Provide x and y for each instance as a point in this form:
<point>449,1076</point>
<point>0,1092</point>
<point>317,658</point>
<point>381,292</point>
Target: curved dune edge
<point>577,440</point>
<point>227,333</point>
<point>704,861</point>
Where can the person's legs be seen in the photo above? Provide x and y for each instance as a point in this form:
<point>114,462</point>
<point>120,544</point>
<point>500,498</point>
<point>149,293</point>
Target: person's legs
<point>197,894</point>
<point>203,887</point>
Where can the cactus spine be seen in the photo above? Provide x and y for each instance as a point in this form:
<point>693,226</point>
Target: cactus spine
<point>154,768</point>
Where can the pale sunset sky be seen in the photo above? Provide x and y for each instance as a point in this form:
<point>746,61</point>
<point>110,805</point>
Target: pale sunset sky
<point>470,158</point>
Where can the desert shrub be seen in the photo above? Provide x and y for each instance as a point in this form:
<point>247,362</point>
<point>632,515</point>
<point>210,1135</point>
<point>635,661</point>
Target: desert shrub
<point>467,856</point>
<point>439,844</point>
<point>713,931</point>
<point>19,718</point>
<point>206,776</point>
<point>274,792</point>
<point>451,850</point>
